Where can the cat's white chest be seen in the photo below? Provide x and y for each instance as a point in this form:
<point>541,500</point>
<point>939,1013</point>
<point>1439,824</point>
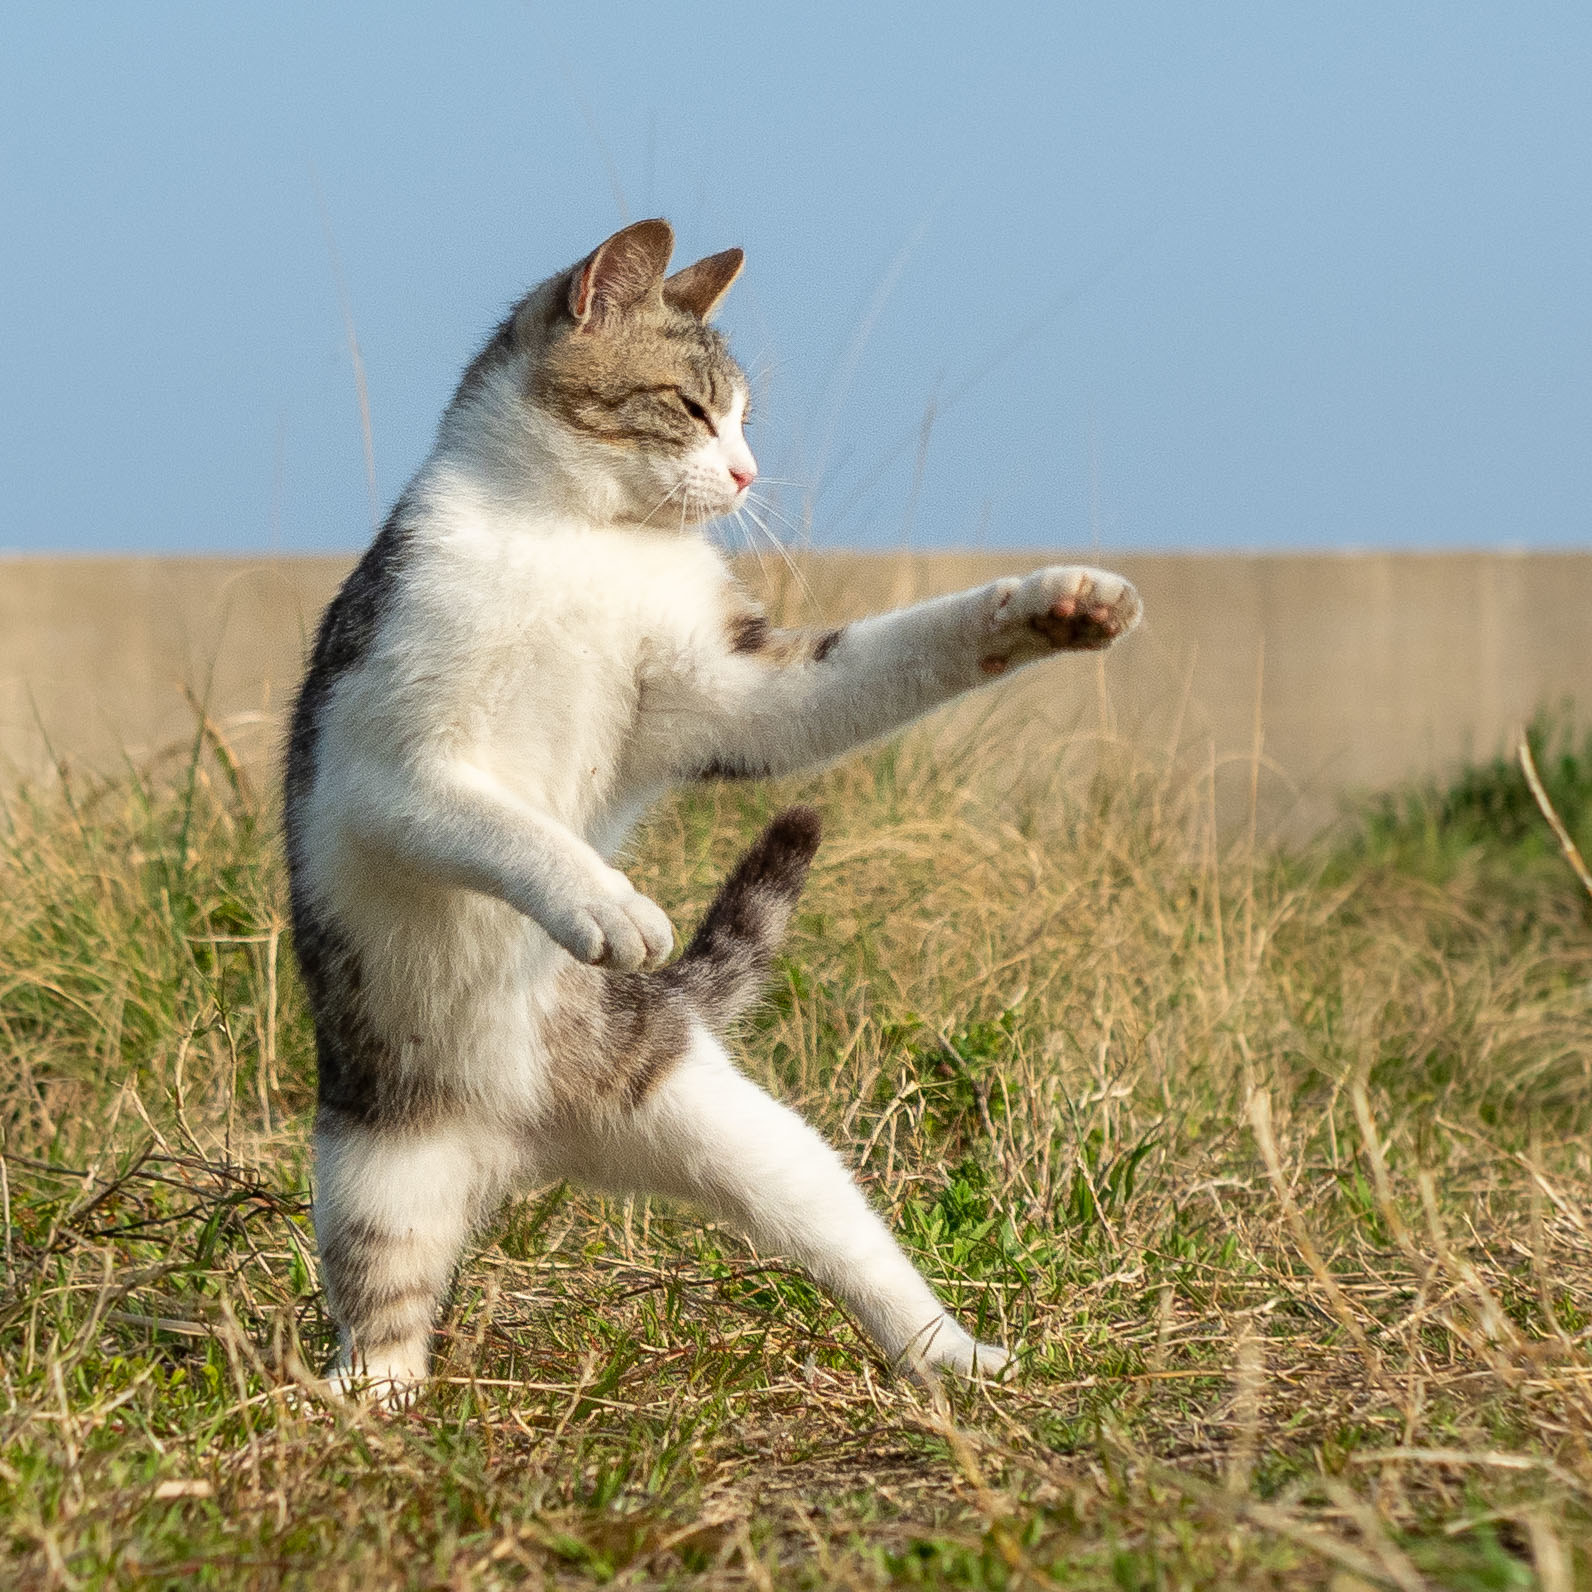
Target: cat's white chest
<point>567,637</point>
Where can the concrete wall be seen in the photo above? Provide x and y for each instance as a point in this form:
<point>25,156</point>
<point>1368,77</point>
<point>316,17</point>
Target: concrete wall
<point>1359,669</point>
<point>97,655</point>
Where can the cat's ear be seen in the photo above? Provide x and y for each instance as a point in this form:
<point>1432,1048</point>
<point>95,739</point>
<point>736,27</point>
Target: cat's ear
<point>698,288</point>
<point>621,273</point>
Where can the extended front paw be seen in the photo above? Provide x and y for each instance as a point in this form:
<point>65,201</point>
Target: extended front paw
<point>620,928</point>
<point>1060,609</point>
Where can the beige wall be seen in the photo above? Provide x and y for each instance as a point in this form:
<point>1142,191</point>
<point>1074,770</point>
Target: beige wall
<point>1363,668</point>
<point>95,653</point>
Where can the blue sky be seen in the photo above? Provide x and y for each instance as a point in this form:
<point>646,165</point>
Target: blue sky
<point>1041,276</point>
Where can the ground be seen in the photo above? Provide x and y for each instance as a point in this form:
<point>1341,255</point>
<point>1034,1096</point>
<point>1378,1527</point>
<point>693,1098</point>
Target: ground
<point>1273,1164</point>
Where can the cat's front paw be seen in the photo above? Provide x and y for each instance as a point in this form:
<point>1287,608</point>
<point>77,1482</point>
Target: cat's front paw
<point>619,928</point>
<point>1060,609</point>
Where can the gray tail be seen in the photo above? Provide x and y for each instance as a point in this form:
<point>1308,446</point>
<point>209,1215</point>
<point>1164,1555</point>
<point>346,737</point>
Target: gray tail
<point>727,962</point>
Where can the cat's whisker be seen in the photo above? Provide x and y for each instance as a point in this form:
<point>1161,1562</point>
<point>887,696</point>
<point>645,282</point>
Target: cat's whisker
<point>748,521</point>
<point>750,544</point>
<point>753,541</point>
<point>801,532</point>
<point>790,563</point>
<point>762,525</point>
<point>678,485</point>
<point>767,506</point>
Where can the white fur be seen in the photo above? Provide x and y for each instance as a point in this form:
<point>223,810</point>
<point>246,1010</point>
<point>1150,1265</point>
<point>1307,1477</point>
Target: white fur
<point>432,1189</point>
<point>710,1137</point>
<point>558,658</point>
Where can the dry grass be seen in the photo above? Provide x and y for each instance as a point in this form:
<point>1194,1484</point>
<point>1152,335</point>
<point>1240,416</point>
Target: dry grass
<point>1277,1168</point>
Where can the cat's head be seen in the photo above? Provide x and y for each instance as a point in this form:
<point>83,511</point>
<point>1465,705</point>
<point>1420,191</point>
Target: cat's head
<point>623,388</point>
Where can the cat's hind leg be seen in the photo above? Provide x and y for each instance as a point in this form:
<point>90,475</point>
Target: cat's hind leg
<point>707,1135</point>
<point>393,1208</point>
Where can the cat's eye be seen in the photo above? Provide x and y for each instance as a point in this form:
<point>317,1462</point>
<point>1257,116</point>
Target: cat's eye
<point>696,411</point>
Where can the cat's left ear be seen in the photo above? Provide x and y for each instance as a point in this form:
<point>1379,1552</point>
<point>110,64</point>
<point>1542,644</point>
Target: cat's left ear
<point>698,288</point>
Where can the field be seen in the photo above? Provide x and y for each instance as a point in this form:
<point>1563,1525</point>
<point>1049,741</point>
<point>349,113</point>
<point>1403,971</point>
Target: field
<point>1275,1165</point>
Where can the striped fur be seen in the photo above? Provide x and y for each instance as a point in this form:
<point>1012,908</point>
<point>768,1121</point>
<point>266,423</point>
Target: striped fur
<point>616,1035</point>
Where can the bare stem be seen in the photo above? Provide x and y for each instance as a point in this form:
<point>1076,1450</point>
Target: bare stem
<point>1568,846</point>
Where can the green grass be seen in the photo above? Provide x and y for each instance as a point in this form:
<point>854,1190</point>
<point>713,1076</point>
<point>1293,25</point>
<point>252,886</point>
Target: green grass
<point>1276,1167</point>
<point>1485,819</point>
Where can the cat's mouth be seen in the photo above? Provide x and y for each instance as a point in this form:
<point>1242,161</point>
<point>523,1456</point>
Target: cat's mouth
<point>715,511</point>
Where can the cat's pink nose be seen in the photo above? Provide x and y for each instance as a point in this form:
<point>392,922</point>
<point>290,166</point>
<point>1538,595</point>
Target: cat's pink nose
<point>743,478</point>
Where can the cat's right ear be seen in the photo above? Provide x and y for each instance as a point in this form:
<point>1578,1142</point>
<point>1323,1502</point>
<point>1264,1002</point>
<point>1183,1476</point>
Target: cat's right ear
<point>621,273</point>
<point>698,288</point>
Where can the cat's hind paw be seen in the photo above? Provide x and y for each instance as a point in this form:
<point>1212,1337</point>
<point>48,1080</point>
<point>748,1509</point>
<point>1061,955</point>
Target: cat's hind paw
<point>982,1362</point>
<point>389,1384</point>
<point>948,1348</point>
<point>385,1395</point>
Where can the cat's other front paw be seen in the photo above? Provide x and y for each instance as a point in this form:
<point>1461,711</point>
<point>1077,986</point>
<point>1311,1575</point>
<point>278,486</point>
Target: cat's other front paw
<point>619,928</point>
<point>1060,609</point>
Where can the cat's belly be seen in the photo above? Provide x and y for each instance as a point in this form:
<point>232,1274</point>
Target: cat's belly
<point>457,985</point>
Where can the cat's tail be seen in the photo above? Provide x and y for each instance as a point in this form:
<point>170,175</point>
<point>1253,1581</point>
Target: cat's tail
<point>725,966</point>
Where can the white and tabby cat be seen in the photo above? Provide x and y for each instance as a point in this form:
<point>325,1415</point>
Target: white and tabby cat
<point>536,646</point>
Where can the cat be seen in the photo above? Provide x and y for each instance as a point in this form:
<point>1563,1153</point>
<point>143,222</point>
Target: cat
<point>539,643</point>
